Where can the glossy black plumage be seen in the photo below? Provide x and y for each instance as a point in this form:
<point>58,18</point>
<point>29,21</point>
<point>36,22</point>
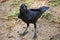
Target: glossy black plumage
<point>31,15</point>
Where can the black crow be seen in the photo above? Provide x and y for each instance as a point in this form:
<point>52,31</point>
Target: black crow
<point>31,16</point>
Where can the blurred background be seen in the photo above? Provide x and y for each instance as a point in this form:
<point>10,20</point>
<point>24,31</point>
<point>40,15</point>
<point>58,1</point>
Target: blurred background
<point>48,26</point>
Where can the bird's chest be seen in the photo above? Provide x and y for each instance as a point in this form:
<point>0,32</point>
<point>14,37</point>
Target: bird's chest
<point>27,19</point>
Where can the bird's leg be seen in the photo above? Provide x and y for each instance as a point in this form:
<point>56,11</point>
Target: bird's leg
<point>35,35</point>
<point>25,32</point>
<point>26,28</point>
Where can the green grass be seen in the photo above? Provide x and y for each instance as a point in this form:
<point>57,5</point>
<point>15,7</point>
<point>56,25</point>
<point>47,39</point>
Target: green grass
<point>54,2</point>
<point>15,3</point>
<point>27,1</point>
<point>12,15</point>
<point>58,20</point>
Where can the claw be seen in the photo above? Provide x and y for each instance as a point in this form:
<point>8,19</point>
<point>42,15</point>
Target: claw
<point>24,33</point>
<point>35,36</point>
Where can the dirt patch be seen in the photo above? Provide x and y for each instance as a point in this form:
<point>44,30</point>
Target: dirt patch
<point>10,29</point>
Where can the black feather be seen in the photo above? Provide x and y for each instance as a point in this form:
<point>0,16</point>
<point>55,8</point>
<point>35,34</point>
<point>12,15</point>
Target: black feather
<point>31,16</point>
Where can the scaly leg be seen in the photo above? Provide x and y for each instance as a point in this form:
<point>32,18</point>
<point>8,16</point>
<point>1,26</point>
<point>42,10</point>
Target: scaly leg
<point>35,35</point>
<point>25,32</point>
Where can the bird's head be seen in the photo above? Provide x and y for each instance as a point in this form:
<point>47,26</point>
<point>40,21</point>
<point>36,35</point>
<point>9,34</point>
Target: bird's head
<point>22,10</point>
<point>23,7</point>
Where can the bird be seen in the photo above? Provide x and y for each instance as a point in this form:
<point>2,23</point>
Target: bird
<point>30,16</point>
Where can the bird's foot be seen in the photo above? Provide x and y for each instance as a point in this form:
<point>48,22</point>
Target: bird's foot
<point>35,36</point>
<point>24,33</point>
